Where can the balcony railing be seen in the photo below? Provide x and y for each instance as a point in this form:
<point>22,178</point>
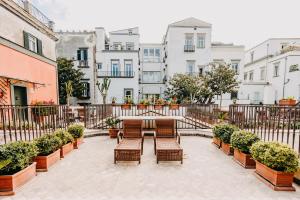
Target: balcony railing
<point>116,74</point>
<point>189,48</point>
<point>83,63</point>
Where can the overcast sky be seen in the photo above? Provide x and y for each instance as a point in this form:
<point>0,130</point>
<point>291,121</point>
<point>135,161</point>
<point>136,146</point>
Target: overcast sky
<point>246,22</point>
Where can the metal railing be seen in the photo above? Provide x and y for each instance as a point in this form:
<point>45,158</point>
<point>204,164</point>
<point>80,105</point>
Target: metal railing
<point>116,74</point>
<point>29,122</point>
<point>189,48</point>
<point>269,122</point>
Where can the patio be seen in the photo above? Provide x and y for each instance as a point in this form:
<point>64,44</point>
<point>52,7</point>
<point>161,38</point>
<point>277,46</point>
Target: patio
<point>206,173</point>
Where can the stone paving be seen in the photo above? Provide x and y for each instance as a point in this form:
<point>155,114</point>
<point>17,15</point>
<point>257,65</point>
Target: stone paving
<point>89,173</point>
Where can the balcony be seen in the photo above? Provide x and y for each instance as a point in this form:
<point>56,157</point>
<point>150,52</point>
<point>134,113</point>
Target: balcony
<point>116,74</point>
<point>83,64</point>
<point>189,48</point>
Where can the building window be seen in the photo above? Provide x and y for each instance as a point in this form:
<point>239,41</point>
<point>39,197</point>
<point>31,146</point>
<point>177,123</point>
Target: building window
<point>234,95</point>
<point>151,55</point>
<point>151,52</point>
<point>128,93</point>
<point>129,46</point>
<point>99,65</point>
<point>128,68</point>
<point>235,66</point>
<point>117,46</point>
<point>32,43</point>
<point>190,67</point>
<point>201,41</point>
<point>82,54</point>
<point>189,39</point>
<point>146,52</point>
<point>251,74</point>
<point>151,77</point>
<point>157,52</point>
<point>262,73</point>
<point>276,70</point>
<point>245,76</point>
<point>115,68</point>
<point>252,56</point>
<point>86,90</point>
<point>294,68</point>
<point>201,70</point>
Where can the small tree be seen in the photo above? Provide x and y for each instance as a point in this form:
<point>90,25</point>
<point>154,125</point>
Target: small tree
<point>103,88</point>
<point>69,91</point>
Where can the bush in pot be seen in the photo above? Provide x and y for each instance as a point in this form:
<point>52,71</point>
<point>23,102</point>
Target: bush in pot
<point>241,141</point>
<point>67,142</point>
<point>225,131</point>
<point>276,163</point>
<point>76,130</point>
<point>112,122</point>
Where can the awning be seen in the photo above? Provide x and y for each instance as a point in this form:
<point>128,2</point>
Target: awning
<point>8,79</point>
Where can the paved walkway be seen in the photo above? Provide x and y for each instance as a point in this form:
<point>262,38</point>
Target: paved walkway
<point>89,173</point>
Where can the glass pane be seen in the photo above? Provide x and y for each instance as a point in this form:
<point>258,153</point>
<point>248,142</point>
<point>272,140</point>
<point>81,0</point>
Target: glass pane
<point>151,52</point>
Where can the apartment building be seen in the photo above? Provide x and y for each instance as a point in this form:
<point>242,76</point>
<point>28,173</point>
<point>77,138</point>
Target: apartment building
<point>27,55</point>
<point>271,71</point>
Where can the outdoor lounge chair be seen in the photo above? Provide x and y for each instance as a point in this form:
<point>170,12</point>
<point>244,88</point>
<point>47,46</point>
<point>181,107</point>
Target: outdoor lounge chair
<point>167,142</point>
<point>130,142</point>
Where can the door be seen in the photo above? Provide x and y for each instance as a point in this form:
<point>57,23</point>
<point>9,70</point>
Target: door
<point>20,95</point>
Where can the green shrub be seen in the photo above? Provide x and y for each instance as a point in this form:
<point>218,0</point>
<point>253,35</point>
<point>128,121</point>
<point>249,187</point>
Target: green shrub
<point>64,136</point>
<point>224,131</point>
<point>16,156</point>
<point>277,156</point>
<point>76,130</point>
<point>243,140</point>
<point>48,144</point>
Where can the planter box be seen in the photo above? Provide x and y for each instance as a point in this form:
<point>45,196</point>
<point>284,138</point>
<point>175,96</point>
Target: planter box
<point>227,149</point>
<point>276,180</point>
<point>44,162</point>
<point>113,132</point>
<point>77,142</point>
<point>287,102</point>
<point>142,107</point>
<point>243,159</point>
<point>158,107</point>
<point>126,106</point>
<point>8,183</point>
<point>67,148</point>
<point>217,142</point>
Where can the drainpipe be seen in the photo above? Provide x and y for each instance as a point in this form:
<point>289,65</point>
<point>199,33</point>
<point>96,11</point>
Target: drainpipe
<point>284,78</point>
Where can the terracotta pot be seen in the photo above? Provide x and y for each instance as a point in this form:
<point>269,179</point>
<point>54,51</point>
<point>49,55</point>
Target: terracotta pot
<point>287,102</point>
<point>227,149</point>
<point>44,162</point>
<point>113,132</point>
<point>158,107</point>
<point>142,107</point>
<point>244,159</point>
<point>8,183</point>
<point>297,177</point>
<point>67,148</point>
<point>217,142</point>
<point>276,178</point>
<point>174,106</point>
<point>77,142</point>
<point>126,106</point>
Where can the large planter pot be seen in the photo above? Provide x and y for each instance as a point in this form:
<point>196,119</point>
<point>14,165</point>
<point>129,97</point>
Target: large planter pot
<point>297,177</point>
<point>217,142</point>
<point>278,180</point>
<point>287,102</point>
<point>67,148</point>
<point>142,107</point>
<point>244,159</point>
<point>158,107</point>
<point>174,106</point>
<point>8,183</point>
<point>44,162</point>
<point>227,149</point>
<point>113,132</point>
<point>77,142</point>
<point>126,106</point>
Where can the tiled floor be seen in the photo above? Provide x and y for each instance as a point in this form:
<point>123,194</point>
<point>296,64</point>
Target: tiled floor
<point>89,173</point>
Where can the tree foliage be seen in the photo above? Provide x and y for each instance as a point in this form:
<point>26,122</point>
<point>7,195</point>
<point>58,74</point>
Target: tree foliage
<point>68,74</point>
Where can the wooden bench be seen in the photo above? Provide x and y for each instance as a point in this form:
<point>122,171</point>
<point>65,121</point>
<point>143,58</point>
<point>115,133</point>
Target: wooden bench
<point>128,150</point>
<point>168,149</point>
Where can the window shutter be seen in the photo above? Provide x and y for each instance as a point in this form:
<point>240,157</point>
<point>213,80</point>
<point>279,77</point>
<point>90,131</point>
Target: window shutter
<point>85,54</point>
<point>26,40</point>
<point>39,47</point>
<point>88,89</point>
<point>78,55</point>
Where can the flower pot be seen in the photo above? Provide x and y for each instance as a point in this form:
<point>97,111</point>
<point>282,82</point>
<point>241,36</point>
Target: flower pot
<point>44,162</point>
<point>174,106</point>
<point>279,180</point>
<point>297,177</point>
<point>287,102</point>
<point>67,148</point>
<point>113,132</point>
<point>8,183</point>
<point>77,142</point>
<point>217,142</point>
<point>142,107</point>
<point>227,149</point>
<point>244,159</point>
<point>158,107</point>
<point>126,106</point>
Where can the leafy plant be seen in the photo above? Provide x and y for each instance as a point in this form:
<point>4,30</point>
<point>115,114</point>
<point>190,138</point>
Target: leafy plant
<point>76,130</point>
<point>64,136</point>
<point>112,122</point>
<point>128,100</point>
<point>160,101</point>
<point>103,88</point>
<point>69,91</point>
<point>144,102</point>
<point>224,131</point>
<point>16,156</point>
<point>277,156</point>
<point>113,100</point>
<point>243,140</point>
<point>48,144</point>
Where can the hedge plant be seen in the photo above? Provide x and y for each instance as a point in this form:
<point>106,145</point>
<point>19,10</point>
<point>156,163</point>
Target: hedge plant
<point>48,144</point>
<point>243,140</point>
<point>64,136</point>
<point>16,156</point>
<point>279,157</point>
<point>224,131</point>
<point>76,130</point>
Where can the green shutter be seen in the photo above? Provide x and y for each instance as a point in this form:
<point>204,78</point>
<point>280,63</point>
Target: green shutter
<point>39,47</point>
<point>78,55</point>
<point>88,89</point>
<point>26,40</point>
<point>85,54</point>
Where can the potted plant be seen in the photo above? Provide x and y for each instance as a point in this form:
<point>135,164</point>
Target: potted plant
<point>67,142</point>
<point>241,141</point>
<point>76,130</point>
<point>127,103</point>
<point>216,135</point>
<point>226,131</point>
<point>40,109</point>
<point>159,103</point>
<point>113,100</point>
<point>275,164</point>
<point>290,101</point>
<point>173,105</point>
<point>48,151</point>
<point>112,122</point>
<point>17,166</point>
<point>143,104</point>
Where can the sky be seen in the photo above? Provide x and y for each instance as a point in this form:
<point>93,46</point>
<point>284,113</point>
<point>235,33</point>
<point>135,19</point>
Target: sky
<point>242,22</point>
